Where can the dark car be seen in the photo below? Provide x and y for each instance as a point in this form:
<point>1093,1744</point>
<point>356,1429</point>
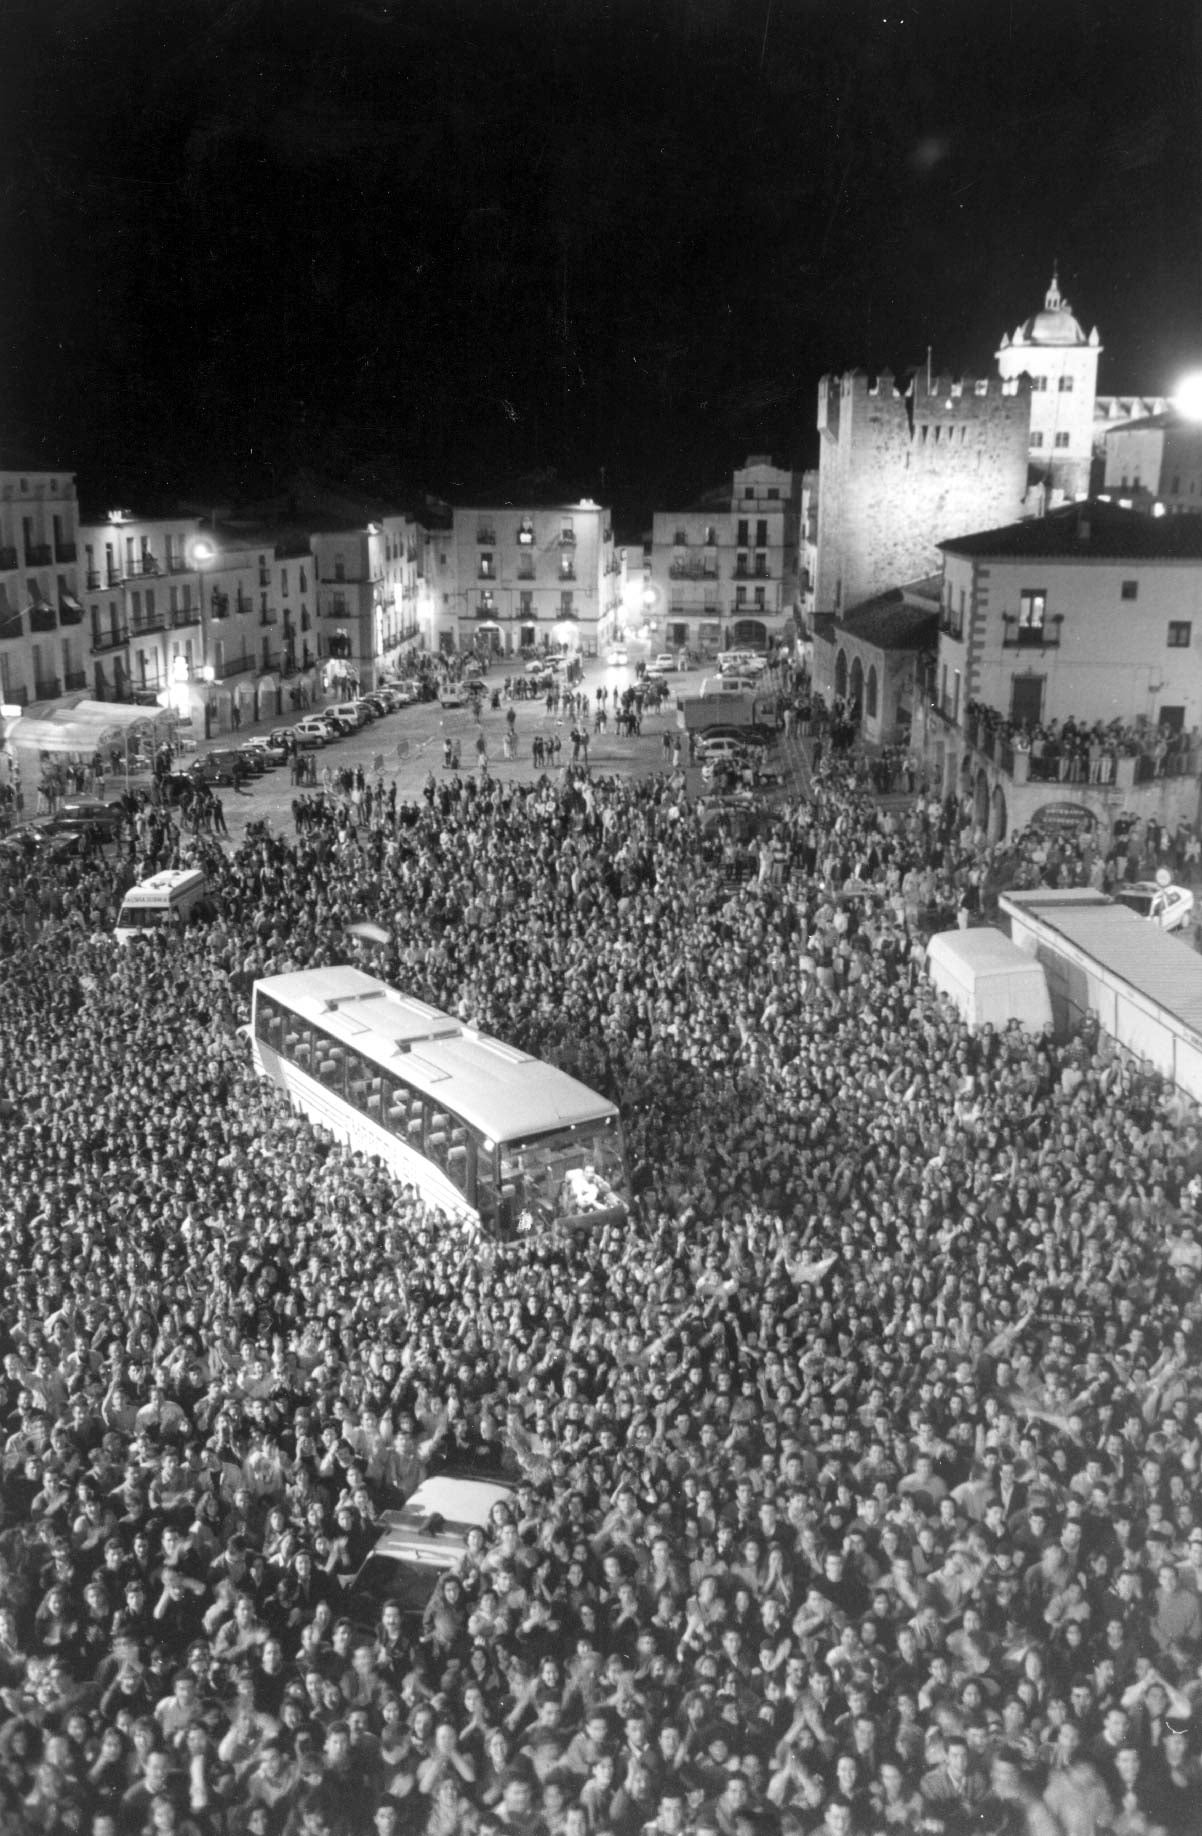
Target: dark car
<point>90,813</point>
<point>39,843</point>
<point>219,767</point>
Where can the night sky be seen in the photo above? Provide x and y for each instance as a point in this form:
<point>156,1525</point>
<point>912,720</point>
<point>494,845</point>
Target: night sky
<point>602,245</point>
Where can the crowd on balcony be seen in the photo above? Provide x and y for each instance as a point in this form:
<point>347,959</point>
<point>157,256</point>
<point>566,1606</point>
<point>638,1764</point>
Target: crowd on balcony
<point>859,1475</point>
<point>1079,752</point>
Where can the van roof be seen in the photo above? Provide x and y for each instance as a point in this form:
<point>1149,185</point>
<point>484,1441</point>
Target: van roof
<point>161,885</point>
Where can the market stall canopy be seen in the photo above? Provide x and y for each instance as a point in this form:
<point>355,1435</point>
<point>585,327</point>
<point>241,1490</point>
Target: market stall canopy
<point>83,726</point>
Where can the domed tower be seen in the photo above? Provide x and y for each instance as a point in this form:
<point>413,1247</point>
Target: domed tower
<point>1052,348</point>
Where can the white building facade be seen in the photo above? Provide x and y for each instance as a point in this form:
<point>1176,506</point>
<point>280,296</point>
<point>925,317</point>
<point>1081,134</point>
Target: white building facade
<point>1061,360</point>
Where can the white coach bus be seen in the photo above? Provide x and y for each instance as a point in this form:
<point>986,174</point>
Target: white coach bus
<point>481,1129</point>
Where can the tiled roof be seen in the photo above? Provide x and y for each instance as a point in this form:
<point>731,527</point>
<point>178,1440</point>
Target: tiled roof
<point>1082,531</point>
<point>900,619</point>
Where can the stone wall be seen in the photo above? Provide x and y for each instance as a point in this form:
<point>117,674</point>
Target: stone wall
<point>902,470</point>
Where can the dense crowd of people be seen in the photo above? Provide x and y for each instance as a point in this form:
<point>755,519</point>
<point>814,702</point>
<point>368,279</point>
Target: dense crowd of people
<point>1088,752</point>
<point>856,1474</point>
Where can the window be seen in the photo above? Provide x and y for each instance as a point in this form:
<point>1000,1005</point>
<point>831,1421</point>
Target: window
<point>566,605</point>
<point>339,568</point>
<point>1036,440</point>
<point>526,604</point>
<point>1176,484</point>
<point>486,572</point>
<point>1180,633</point>
<point>1032,605</point>
<point>761,532</point>
<point>1066,385</point>
<point>1062,439</point>
<point>1039,385</point>
<point>773,493</point>
<point>741,536</point>
<point>1129,589</point>
<point>681,538</point>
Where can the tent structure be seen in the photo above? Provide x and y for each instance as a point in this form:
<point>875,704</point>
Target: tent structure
<point>85,727</point>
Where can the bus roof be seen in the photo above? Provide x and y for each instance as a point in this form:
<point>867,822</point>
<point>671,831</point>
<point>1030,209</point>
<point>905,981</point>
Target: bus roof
<point>500,1090</point>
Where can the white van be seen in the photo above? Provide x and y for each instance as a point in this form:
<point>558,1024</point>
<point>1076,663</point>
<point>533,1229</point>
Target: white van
<point>989,979</point>
<point>728,685</point>
<point>170,897</point>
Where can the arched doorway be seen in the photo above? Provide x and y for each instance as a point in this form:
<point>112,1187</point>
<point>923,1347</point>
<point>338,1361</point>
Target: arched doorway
<point>998,815</point>
<point>841,674</point>
<point>870,694</point>
<point>750,634</point>
<point>855,688</point>
<point>981,802</point>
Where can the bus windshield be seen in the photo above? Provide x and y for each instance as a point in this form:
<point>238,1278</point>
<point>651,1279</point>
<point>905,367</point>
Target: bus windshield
<point>565,1174</point>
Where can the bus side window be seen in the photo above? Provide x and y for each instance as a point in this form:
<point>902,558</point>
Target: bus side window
<point>373,1094</point>
<point>395,1099</point>
<point>437,1137</point>
<point>415,1122</point>
<point>357,1079</point>
<point>457,1165</point>
<point>332,1065</point>
<point>300,1046</point>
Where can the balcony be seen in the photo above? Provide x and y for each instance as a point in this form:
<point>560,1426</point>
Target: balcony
<point>486,571</point>
<point>115,639</point>
<point>8,560</point>
<point>267,617</point>
<point>43,618</point>
<point>113,576</point>
<point>567,538</point>
<point>1031,637</point>
<point>142,565</point>
<point>177,564</point>
<point>70,612</point>
<point>220,604</point>
<point>264,576</point>
<point>75,679</point>
<point>235,666</point>
<point>18,695</point>
<point>692,570</point>
<point>38,554</point>
<point>93,579</point>
<point>486,536</point>
<point>12,626</point>
<point>567,573</point>
<point>951,627</point>
<point>183,616</point>
<point>64,551</point>
<point>243,604</point>
<point>48,688</point>
<point>149,622</point>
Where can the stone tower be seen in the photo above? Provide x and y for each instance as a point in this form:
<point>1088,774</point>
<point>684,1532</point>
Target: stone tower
<point>903,468</point>
<point>1062,363</point>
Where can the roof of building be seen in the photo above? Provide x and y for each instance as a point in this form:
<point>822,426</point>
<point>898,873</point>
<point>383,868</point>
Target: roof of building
<point>1080,531</point>
<point>1162,967</point>
<point>1055,325</point>
<point>900,619</point>
<point>1166,420</point>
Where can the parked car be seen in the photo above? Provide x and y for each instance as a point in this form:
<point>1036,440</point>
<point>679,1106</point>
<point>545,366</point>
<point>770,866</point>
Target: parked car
<point>90,813</point>
<point>219,766</point>
<point>1162,902</point>
<point>423,1541</point>
<point>256,756</point>
<point>41,842</point>
<point>453,695</point>
<point>311,732</point>
<point>379,703</point>
<point>274,746</point>
<point>667,663</point>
